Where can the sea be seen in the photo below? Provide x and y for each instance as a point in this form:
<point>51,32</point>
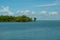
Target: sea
<point>39,30</point>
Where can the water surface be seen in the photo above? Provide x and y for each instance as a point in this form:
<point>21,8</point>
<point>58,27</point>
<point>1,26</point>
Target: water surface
<point>40,30</point>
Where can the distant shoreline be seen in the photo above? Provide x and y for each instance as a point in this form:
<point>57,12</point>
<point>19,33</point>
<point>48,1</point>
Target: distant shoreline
<point>22,18</point>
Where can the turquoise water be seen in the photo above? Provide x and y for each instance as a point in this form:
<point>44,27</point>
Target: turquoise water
<point>40,30</point>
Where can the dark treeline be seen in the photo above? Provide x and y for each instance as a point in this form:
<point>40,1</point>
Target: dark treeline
<point>15,19</point>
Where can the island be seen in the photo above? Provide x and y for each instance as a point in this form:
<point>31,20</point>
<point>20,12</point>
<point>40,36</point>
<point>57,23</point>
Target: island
<point>22,18</point>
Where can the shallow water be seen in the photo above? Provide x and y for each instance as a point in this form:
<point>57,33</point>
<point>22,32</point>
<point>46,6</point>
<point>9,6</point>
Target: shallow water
<point>40,30</point>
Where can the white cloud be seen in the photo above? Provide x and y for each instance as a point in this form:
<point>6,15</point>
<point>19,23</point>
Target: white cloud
<point>21,11</point>
<point>18,11</point>
<point>43,12</point>
<point>33,12</point>
<point>6,10</point>
<point>25,11</point>
<point>53,4</point>
<point>48,12</point>
<point>53,13</point>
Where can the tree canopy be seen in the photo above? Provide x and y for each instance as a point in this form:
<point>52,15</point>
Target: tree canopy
<point>15,19</point>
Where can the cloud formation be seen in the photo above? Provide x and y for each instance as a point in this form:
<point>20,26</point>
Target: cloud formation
<point>21,11</point>
<point>33,12</point>
<point>53,4</point>
<point>43,12</point>
<point>7,10</point>
<point>25,12</point>
<point>53,13</point>
<point>48,13</point>
<point>18,11</point>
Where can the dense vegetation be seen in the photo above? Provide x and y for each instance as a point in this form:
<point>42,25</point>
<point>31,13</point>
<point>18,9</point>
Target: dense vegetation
<point>15,19</point>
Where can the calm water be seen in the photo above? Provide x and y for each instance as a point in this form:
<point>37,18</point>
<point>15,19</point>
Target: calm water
<point>40,30</point>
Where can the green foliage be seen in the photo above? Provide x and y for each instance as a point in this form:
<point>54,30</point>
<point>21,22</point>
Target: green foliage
<point>15,19</point>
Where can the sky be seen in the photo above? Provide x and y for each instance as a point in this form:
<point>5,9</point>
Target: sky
<point>41,9</point>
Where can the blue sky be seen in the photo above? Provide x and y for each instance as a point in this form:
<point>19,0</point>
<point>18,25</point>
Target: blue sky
<point>41,9</point>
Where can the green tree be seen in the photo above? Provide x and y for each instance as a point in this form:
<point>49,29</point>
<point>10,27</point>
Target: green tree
<point>15,18</point>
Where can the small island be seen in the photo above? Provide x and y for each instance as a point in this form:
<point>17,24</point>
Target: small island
<point>22,18</point>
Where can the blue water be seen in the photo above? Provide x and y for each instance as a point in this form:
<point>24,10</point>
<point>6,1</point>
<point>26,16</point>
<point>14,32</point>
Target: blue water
<point>40,30</point>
